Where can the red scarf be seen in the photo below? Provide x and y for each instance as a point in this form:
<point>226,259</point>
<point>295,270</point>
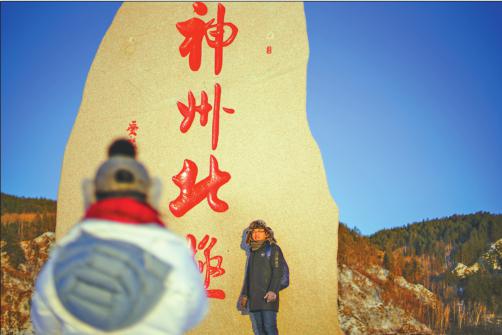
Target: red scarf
<point>124,210</point>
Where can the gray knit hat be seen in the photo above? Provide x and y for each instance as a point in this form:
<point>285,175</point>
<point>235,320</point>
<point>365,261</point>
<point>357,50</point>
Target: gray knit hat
<point>122,175</point>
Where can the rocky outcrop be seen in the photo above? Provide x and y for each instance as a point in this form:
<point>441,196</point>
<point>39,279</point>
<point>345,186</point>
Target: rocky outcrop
<point>462,270</point>
<point>363,309</point>
<point>490,261</point>
<point>17,284</point>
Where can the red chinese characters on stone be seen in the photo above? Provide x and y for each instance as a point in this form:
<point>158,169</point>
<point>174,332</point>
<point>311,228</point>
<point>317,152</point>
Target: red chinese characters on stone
<point>203,109</point>
<point>132,130</point>
<point>195,30</point>
<point>191,193</point>
<point>210,267</point>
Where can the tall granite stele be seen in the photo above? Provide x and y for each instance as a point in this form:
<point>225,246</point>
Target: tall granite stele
<point>137,85</point>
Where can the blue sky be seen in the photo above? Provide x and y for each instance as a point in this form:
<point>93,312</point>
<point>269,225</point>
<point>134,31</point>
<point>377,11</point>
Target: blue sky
<point>404,100</point>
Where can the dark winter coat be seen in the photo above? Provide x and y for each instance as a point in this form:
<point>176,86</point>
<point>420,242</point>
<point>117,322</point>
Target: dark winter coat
<point>263,274</point>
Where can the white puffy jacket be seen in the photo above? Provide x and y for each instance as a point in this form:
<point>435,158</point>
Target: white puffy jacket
<point>177,304</point>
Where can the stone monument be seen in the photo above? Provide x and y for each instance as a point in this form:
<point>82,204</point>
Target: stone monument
<point>214,95</point>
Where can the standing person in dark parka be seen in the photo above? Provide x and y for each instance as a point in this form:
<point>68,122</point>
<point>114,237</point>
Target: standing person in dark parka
<point>262,280</point>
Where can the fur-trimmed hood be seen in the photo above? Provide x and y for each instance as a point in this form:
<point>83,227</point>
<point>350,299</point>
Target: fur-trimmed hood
<point>256,224</point>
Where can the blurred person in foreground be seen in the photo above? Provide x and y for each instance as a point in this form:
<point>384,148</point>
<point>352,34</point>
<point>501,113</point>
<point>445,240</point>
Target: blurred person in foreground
<point>119,270</point>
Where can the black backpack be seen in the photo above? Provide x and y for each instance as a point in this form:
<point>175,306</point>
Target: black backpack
<point>284,265</point>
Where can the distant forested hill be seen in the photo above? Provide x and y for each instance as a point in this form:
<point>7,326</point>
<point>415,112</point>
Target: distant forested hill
<point>356,250</point>
<point>18,205</point>
<point>426,252</point>
<point>457,238</point>
<point>24,219</point>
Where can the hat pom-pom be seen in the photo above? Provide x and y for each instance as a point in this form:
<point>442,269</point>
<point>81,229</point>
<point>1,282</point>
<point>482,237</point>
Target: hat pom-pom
<point>122,147</point>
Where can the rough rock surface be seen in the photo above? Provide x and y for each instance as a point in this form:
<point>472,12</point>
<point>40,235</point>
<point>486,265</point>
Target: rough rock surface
<point>491,261</point>
<point>362,310</point>
<point>17,284</point>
